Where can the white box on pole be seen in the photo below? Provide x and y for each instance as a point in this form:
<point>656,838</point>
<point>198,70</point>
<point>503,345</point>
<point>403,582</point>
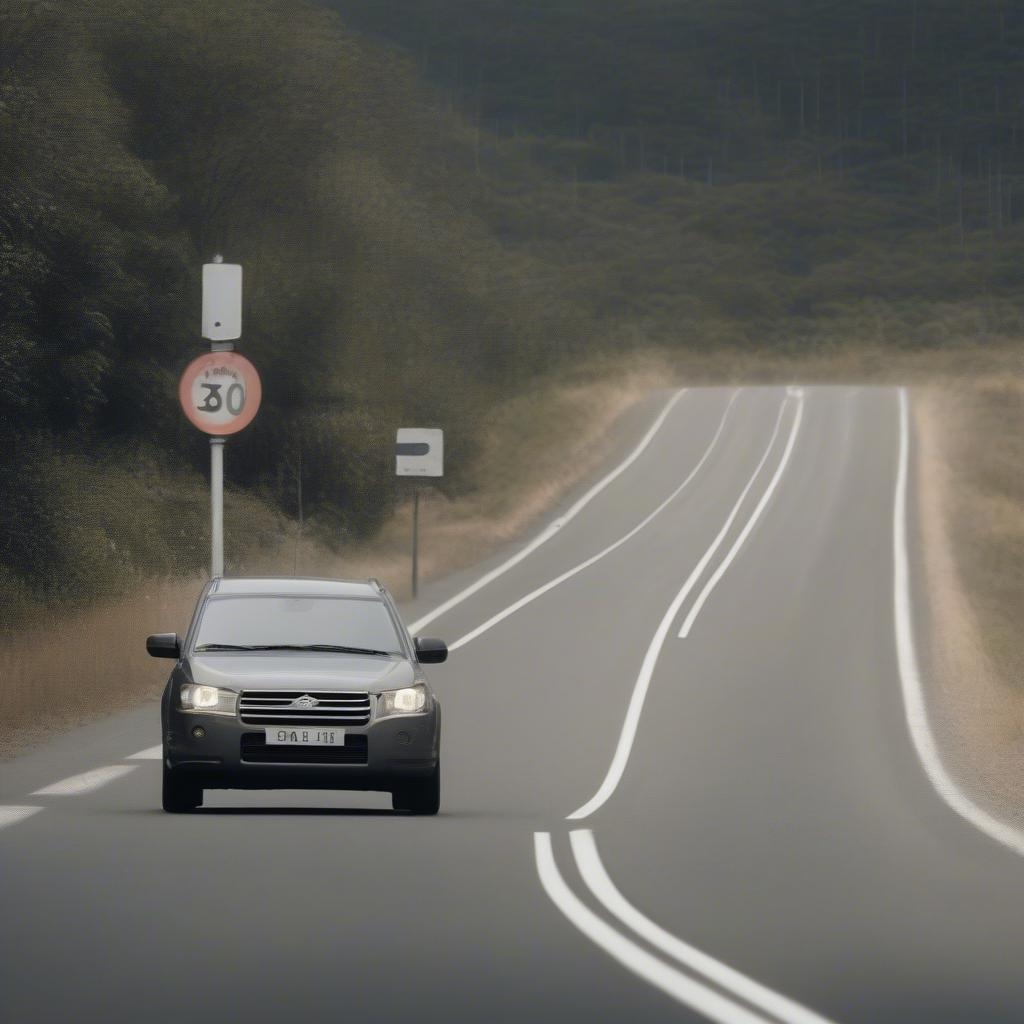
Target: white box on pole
<point>419,452</point>
<point>222,301</point>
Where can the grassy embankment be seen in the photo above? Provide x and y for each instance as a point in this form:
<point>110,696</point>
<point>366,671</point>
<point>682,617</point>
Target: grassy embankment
<point>971,488</point>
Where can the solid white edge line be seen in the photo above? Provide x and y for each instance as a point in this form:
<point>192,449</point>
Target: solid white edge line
<point>86,782</point>
<point>672,982</point>
<point>552,528</point>
<point>11,814</point>
<point>551,584</point>
<point>755,515</point>
<point>600,884</point>
<point>910,676</point>
<point>149,754</point>
<point>636,701</point>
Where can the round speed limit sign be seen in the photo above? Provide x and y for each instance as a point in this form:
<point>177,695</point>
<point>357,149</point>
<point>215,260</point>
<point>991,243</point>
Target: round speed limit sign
<point>220,392</point>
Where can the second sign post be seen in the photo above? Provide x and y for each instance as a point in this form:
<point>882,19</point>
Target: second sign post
<point>419,451</point>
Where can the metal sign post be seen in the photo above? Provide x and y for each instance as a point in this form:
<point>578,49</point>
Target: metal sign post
<point>220,392</point>
<point>418,452</point>
<point>415,540</point>
<point>216,506</point>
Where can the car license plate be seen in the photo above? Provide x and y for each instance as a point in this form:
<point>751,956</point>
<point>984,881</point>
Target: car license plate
<point>305,737</point>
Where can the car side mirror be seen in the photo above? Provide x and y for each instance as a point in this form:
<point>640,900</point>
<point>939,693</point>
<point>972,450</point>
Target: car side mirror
<point>163,645</point>
<point>431,652</point>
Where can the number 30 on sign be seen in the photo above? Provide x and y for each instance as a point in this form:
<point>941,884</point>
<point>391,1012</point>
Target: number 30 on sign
<point>220,392</point>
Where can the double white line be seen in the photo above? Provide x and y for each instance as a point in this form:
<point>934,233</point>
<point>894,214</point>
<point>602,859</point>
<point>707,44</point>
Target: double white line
<point>587,563</point>
<point>712,988</point>
<point>718,992</point>
<point>755,515</point>
<point>643,681</point>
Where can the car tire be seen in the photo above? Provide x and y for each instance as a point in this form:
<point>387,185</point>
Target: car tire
<point>420,797</point>
<point>180,795</point>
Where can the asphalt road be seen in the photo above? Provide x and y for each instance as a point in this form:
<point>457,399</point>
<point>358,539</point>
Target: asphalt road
<point>742,824</point>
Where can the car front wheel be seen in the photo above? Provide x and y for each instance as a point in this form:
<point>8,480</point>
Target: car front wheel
<point>420,797</point>
<point>180,795</point>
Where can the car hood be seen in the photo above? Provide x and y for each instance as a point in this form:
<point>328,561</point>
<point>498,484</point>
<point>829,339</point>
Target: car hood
<point>301,671</point>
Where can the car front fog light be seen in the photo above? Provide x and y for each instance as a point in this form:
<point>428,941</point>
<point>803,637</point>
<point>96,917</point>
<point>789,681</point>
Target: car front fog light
<point>407,701</point>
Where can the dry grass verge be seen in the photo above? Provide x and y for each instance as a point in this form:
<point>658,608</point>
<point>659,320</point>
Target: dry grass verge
<point>70,668</point>
<point>971,489</point>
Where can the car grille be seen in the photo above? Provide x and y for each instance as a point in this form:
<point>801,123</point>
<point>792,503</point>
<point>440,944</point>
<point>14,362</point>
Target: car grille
<point>256,751</point>
<point>277,707</point>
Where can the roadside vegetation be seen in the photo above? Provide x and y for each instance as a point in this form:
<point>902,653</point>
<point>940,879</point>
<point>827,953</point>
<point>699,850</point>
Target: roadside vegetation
<point>979,428</point>
<point>970,462</point>
<point>471,215</point>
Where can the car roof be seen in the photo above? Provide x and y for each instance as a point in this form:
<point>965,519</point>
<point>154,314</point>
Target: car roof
<point>296,586</point>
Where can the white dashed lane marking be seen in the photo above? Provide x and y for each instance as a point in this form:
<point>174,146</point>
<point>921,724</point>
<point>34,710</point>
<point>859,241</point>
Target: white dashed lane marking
<point>11,815</point>
<point>149,754</point>
<point>86,782</point>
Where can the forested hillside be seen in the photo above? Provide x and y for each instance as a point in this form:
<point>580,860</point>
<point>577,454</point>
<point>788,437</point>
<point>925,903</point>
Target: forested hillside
<point>436,200</point>
<point>796,172</point>
<point>900,98</point>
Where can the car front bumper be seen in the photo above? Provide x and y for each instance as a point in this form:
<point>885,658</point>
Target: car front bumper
<point>390,751</point>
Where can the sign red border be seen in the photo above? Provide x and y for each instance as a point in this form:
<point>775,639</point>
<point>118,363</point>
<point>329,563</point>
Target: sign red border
<point>235,363</point>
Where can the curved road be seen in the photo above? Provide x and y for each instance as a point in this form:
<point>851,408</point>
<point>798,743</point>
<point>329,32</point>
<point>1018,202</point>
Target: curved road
<point>680,783</point>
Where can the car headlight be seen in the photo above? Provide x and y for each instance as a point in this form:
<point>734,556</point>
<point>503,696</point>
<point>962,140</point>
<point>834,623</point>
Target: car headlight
<point>210,700</point>
<point>407,701</point>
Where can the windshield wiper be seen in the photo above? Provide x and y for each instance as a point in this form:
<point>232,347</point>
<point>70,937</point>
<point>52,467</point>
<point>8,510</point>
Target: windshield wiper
<point>226,647</point>
<point>329,648</point>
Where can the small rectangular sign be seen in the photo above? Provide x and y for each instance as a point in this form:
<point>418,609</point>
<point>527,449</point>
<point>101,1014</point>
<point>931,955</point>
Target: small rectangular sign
<point>222,301</point>
<point>419,452</point>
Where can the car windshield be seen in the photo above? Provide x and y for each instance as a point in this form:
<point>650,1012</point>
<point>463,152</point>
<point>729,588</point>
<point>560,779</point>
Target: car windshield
<point>313,623</point>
